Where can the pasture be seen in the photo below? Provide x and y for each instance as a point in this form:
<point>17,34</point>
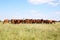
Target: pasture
<point>29,31</point>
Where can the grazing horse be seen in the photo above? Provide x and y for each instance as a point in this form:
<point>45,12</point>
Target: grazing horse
<point>28,21</point>
<point>13,21</point>
<point>21,21</point>
<point>54,21</point>
<point>33,20</point>
<point>48,21</point>
<point>5,21</point>
<point>16,21</point>
<point>39,21</point>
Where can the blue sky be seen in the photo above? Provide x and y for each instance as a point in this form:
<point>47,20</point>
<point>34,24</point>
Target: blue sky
<point>33,9</point>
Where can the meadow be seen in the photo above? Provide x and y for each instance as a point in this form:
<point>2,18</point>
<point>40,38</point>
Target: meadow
<point>30,31</point>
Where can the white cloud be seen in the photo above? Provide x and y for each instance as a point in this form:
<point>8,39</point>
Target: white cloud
<point>57,12</point>
<point>59,0</point>
<point>39,1</point>
<point>37,14</point>
<point>51,2</point>
<point>33,11</point>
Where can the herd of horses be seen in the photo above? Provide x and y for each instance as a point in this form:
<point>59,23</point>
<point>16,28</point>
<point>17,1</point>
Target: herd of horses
<point>28,21</point>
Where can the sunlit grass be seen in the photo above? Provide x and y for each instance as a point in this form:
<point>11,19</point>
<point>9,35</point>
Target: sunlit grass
<point>30,31</point>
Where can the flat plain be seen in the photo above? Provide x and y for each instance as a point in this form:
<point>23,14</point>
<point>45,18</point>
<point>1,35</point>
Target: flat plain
<point>30,31</point>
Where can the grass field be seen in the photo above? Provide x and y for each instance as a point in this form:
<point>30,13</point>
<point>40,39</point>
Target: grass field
<point>30,31</point>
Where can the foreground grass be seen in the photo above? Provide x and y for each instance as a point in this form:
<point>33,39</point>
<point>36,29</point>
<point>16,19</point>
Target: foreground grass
<point>30,31</point>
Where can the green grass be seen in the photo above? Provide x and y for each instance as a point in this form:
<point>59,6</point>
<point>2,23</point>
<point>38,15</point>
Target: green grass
<point>30,31</point>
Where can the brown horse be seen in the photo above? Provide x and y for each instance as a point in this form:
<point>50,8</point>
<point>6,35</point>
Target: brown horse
<point>48,21</point>
<point>16,21</point>
<point>28,21</point>
<point>5,21</point>
<point>33,20</point>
